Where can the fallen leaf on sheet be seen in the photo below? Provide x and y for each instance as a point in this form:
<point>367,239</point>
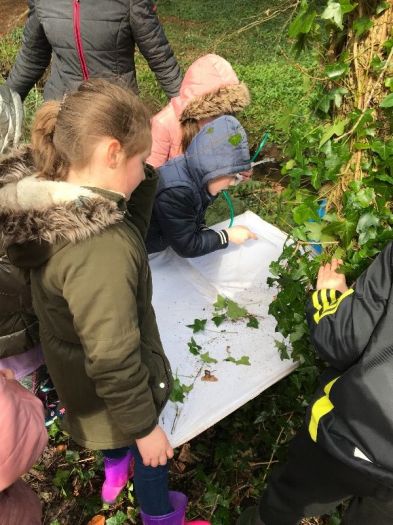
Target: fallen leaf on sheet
<point>209,377</point>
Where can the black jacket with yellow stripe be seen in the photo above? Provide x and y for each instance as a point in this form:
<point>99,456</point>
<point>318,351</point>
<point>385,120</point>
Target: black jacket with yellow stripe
<point>352,416</point>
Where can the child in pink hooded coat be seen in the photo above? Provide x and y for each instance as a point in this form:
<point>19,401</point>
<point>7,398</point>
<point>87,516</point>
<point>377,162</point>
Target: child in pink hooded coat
<point>210,88</point>
<point>23,438</point>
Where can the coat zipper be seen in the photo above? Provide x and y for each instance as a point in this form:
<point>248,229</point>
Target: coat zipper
<point>78,39</point>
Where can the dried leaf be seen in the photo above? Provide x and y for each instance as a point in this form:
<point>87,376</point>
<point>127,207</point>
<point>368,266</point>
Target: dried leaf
<point>97,520</point>
<point>209,377</point>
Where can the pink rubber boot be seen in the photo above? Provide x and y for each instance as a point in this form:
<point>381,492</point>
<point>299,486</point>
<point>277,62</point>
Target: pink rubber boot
<point>117,473</point>
<point>178,501</point>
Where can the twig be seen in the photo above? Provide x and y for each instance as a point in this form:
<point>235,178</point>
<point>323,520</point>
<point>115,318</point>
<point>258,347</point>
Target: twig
<point>256,23</point>
<point>270,462</point>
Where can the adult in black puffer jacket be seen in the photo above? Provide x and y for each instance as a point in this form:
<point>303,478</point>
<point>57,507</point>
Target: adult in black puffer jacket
<point>218,157</point>
<point>91,38</point>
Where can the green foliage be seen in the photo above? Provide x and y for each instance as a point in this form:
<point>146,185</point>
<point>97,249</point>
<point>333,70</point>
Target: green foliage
<point>198,325</point>
<point>193,347</point>
<point>118,519</point>
<point>179,391</point>
<point>244,360</point>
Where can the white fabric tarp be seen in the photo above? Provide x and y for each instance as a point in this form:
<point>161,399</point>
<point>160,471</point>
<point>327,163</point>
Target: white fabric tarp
<point>185,290</point>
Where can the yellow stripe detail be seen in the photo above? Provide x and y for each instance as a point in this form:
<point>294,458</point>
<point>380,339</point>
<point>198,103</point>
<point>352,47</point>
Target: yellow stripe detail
<point>320,408</point>
<point>333,308</point>
<point>316,305</point>
<point>324,298</point>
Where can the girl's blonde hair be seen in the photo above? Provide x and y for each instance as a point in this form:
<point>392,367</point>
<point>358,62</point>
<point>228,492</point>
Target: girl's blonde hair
<point>65,133</point>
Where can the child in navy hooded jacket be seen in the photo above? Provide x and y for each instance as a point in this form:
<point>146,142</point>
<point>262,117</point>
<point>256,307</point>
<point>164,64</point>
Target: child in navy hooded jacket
<point>218,157</point>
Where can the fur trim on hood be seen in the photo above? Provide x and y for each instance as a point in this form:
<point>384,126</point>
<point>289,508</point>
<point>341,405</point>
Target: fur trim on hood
<point>225,101</point>
<point>37,210</point>
<point>210,88</point>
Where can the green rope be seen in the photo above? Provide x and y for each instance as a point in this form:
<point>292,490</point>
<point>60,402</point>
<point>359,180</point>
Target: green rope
<point>261,145</point>
<point>230,206</point>
<point>226,194</point>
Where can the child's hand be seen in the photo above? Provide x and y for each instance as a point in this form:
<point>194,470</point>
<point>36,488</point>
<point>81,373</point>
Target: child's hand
<point>239,234</point>
<point>155,448</point>
<point>329,278</point>
<point>7,373</point>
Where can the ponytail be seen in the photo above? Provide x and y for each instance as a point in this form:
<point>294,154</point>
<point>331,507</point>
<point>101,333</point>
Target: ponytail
<point>48,161</point>
<point>189,129</point>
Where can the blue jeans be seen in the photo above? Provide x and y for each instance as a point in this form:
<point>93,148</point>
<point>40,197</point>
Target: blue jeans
<point>151,483</point>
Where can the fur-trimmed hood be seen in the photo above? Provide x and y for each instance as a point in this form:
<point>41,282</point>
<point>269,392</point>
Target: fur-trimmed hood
<point>42,213</point>
<point>210,88</point>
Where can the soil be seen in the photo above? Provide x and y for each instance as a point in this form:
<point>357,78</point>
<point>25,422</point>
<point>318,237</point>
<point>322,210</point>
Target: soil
<point>13,13</point>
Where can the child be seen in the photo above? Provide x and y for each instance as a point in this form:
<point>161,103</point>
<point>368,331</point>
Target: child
<point>346,448</point>
<point>23,438</point>
<point>210,88</point>
<point>72,225</point>
<point>218,157</point>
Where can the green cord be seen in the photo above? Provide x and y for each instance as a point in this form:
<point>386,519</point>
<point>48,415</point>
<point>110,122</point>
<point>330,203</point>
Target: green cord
<point>261,145</point>
<point>230,206</point>
<point>226,194</point>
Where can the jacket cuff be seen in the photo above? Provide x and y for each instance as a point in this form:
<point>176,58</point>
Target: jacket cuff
<point>223,238</point>
<point>145,432</point>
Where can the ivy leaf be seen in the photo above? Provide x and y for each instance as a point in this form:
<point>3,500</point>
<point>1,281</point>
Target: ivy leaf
<point>302,23</point>
<point>303,213</point>
<point>335,11</point>
<point>207,359</point>
<point>362,25</point>
<point>220,303</point>
<point>282,349</point>
<point>334,71</point>
<point>252,322</point>
<point>193,347</point>
<point>382,7</point>
<point>179,391</point>
<point>389,83</point>
<point>198,325</point>
<point>367,221</point>
<point>218,319</point>
<point>118,519</point>
<point>244,360</point>
<point>235,311</point>
<point>387,102</point>
<point>336,129</point>
<point>383,149</point>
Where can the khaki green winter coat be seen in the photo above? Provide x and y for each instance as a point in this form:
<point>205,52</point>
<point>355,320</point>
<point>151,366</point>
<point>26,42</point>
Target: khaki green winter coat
<point>92,292</point>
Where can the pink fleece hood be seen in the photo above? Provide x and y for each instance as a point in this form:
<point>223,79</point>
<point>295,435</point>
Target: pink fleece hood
<point>206,75</point>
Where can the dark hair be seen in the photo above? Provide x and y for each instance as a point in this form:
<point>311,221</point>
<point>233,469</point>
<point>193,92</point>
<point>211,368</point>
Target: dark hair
<point>66,133</point>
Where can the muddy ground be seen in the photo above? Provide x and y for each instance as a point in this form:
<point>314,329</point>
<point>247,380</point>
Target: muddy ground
<point>13,12</point>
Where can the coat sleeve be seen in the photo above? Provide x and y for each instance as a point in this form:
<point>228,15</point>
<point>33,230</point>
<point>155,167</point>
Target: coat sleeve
<point>153,44</point>
<point>100,283</point>
<point>161,144</point>
<point>178,222</point>
<point>341,325</point>
<point>140,204</point>
<point>33,58</point>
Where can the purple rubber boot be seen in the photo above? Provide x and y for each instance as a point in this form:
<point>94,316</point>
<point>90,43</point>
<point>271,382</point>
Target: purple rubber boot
<point>177,517</point>
<point>117,473</point>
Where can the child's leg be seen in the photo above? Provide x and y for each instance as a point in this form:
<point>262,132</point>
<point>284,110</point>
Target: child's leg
<point>151,486</point>
<point>311,483</point>
<point>376,510</point>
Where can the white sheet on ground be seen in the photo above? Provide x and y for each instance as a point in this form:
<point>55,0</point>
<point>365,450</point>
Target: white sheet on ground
<point>184,290</point>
